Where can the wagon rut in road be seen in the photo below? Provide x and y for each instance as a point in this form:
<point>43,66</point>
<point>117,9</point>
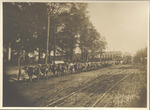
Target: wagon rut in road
<point>90,91</point>
<point>78,89</point>
<point>106,93</point>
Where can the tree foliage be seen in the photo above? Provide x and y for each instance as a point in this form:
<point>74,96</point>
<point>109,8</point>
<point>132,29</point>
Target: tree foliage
<point>140,56</point>
<point>25,27</point>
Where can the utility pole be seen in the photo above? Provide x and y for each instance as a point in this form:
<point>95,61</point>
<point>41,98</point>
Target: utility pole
<point>47,45</point>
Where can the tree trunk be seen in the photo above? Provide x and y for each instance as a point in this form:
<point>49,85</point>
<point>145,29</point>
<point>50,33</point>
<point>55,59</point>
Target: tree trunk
<point>100,56</point>
<point>86,56</point>
<point>19,65</point>
<point>82,54</point>
<point>9,52</point>
<point>39,59</point>
<point>50,55</point>
<point>54,43</point>
<point>26,57</point>
<point>66,55</point>
<point>54,55</point>
<point>71,54</point>
<point>19,74</point>
<point>92,55</point>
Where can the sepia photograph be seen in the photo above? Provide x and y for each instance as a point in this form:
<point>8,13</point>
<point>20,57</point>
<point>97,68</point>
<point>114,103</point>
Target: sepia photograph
<point>81,54</point>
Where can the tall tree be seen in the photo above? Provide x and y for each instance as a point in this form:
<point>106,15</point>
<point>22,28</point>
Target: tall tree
<point>25,26</point>
<point>140,56</point>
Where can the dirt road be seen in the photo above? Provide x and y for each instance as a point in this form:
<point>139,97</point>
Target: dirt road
<point>116,86</point>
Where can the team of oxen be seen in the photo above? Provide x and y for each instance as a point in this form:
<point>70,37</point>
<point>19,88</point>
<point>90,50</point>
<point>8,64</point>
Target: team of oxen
<point>63,68</point>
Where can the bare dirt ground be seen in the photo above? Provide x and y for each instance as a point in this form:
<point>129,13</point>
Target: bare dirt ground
<point>115,86</point>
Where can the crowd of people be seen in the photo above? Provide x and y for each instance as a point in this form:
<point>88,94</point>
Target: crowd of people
<point>59,69</point>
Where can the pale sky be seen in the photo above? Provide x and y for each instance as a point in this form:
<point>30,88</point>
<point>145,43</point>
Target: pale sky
<point>125,25</point>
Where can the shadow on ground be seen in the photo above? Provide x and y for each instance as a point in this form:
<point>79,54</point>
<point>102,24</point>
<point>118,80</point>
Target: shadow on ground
<point>11,98</point>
